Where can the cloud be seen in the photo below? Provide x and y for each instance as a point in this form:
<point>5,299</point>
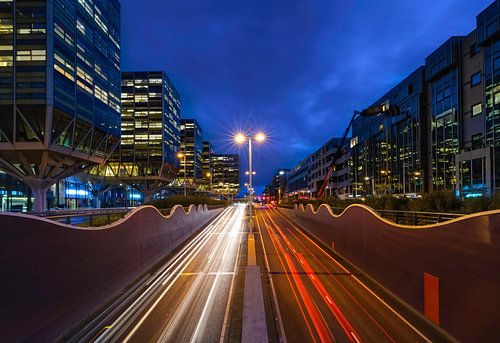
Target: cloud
<point>298,68</point>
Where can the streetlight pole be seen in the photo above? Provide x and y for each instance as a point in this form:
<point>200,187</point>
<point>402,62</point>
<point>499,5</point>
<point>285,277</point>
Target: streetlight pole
<point>250,182</point>
<point>241,138</point>
<point>185,191</point>
<point>182,155</point>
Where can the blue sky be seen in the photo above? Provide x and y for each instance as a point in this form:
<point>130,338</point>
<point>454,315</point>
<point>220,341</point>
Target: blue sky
<point>296,68</point>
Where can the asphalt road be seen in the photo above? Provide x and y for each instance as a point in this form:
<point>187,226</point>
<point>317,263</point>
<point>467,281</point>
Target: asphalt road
<point>187,299</point>
<point>318,300</point>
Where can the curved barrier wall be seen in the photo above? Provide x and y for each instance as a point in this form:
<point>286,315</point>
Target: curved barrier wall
<point>54,275</point>
<point>463,255</point>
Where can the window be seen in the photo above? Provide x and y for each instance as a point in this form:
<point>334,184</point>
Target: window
<point>477,109</point>
<point>496,63</point>
<point>475,79</point>
<point>474,50</point>
<point>410,89</point>
<point>30,55</point>
<point>477,140</point>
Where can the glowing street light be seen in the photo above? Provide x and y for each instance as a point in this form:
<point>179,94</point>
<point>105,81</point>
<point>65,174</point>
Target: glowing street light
<point>260,137</point>
<point>211,179</point>
<point>241,138</point>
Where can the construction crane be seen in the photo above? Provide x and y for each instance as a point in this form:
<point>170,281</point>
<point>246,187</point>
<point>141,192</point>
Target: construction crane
<point>385,108</point>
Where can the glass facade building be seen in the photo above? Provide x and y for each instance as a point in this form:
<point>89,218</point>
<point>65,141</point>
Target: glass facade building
<point>388,153</point>
<point>443,85</point>
<point>208,151</point>
<point>488,38</point>
<point>150,132</point>
<point>446,135</point>
<point>192,146</point>
<point>59,88</point>
<point>226,173</point>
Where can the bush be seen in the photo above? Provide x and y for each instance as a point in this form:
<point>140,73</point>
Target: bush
<point>185,201</point>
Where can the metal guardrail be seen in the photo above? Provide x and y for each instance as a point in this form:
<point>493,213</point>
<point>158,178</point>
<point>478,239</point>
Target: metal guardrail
<point>411,217</point>
<point>406,217</point>
<point>86,218</point>
<point>95,217</point>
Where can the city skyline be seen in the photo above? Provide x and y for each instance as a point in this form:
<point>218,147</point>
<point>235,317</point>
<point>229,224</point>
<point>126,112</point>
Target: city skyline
<point>315,78</point>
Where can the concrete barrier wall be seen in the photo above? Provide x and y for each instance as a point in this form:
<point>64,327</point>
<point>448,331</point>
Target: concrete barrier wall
<point>53,275</point>
<point>463,253</point>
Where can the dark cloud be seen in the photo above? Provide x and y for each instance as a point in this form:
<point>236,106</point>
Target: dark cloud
<point>297,68</point>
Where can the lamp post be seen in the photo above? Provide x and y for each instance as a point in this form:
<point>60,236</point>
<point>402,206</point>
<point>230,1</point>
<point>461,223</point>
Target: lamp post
<point>367,178</point>
<point>240,138</point>
<point>182,155</point>
<point>211,179</point>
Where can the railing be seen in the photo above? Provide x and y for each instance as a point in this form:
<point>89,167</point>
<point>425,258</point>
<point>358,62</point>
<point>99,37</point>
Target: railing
<point>405,217</point>
<point>411,217</point>
<point>86,218</point>
<point>95,217</point>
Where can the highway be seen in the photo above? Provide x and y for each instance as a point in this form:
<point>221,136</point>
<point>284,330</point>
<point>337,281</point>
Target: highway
<point>187,299</point>
<point>318,300</point>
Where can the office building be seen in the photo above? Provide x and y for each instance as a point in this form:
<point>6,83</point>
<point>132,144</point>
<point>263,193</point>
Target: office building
<point>278,188</point>
<point>225,174</point>
<point>488,42</point>
<point>60,88</point>
<point>444,135</point>
<point>208,151</point>
<point>150,136</point>
<point>298,179</point>
<point>475,157</point>
<point>388,152</point>
<point>321,160</point>
<point>192,147</point>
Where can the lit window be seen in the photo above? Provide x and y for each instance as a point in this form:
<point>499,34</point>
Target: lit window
<point>477,109</point>
<point>80,26</point>
<point>101,94</point>
<point>5,26</point>
<point>5,61</point>
<point>30,55</point>
<point>87,5</point>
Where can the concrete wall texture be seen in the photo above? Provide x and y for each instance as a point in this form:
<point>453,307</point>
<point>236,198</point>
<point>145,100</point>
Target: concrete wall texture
<point>54,275</point>
<point>463,253</point>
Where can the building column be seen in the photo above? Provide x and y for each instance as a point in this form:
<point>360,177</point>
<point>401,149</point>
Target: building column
<point>147,195</point>
<point>40,195</point>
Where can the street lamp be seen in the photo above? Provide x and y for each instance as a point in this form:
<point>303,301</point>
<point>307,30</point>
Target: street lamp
<point>211,178</point>
<point>240,138</point>
<point>367,178</point>
<point>182,155</point>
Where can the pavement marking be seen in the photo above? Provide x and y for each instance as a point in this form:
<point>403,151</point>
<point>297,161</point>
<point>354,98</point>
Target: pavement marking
<point>359,281</point>
<point>282,337</point>
<point>209,273</point>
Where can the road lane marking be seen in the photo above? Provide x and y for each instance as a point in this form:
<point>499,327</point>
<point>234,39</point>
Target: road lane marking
<point>202,240</point>
<point>339,315</point>
<point>154,282</point>
<point>231,289</point>
<point>271,236</point>
<point>282,334</point>
<point>340,284</point>
<point>315,316</point>
<point>357,280</point>
<point>195,288</point>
